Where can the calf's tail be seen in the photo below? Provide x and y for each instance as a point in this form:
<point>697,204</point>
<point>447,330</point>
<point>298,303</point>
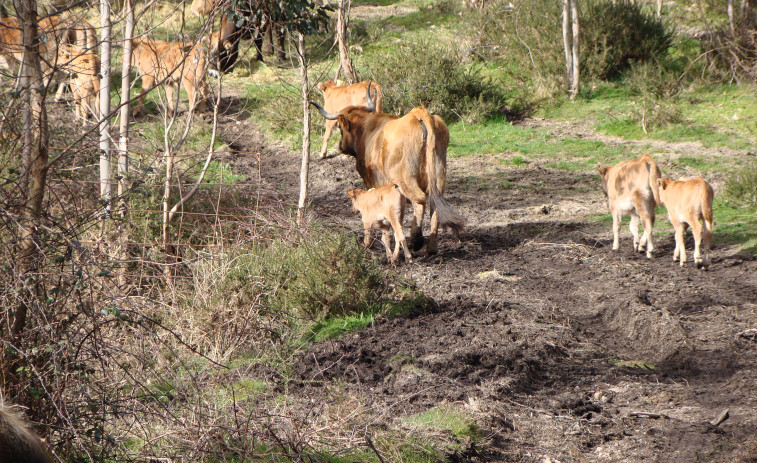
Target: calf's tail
<point>654,175</point>
<point>706,193</point>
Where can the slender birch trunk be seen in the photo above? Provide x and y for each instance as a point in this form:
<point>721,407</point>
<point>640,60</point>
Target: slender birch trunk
<point>34,156</point>
<point>123,130</point>
<point>104,125</point>
<point>575,50</point>
<point>566,36</point>
<point>659,8</point>
<point>729,8</point>
<point>342,21</point>
<point>305,167</point>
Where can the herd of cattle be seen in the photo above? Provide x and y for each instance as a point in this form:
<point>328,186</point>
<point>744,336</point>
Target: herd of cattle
<point>406,153</point>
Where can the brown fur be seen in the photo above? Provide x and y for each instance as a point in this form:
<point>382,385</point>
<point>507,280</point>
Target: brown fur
<point>83,71</point>
<point>382,208</point>
<point>11,48</point>
<point>631,188</point>
<point>203,8</point>
<point>337,97</point>
<point>688,202</point>
<point>56,31</point>
<point>17,443</point>
<point>388,147</point>
<point>171,63</point>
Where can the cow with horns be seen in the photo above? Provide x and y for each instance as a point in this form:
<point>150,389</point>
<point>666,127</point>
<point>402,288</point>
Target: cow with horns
<point>410,151</point>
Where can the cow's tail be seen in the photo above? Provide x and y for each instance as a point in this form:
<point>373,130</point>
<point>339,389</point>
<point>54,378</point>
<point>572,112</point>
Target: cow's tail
<point>446,214</point>
<point>706,193</point>
<point>379,97</point>
<point>654,175</point>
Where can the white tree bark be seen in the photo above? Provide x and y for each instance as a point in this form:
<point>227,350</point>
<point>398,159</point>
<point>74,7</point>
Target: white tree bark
<point>123,132</point>
<point>104,124</point>
<point>305,167</point>
<point>566,35</point>
<point>575,50</point>
<point>729,8</point>
<point>342,21</point>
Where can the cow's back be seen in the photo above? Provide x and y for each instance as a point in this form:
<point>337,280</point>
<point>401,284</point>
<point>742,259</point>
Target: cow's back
<point>631,178</point>
<point>337,98</point>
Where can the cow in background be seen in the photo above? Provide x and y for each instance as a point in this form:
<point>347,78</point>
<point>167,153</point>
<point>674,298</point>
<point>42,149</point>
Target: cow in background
<point>83,70</point>
<point>688,202</point>
<point>338,97</point>
<point>631,188</point>
<point>410,151</point>
<point>172,63</point>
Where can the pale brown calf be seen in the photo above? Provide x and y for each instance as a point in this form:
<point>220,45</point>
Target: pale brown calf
<point>171,63</point>
<point>382,208</point>
<point>83,73</point>
<point>338,97</point>
<point>688,202</point>
<point>631,188</point>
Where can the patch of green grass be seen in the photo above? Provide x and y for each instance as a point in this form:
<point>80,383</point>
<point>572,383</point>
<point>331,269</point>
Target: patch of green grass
<point>640,364</point>
<point>519,161</point>
<point>446,419</point>
<point>735,225</point>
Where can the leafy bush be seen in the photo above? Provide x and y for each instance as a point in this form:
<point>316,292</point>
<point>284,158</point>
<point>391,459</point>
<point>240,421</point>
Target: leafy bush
<point>741,188</point>
<point>616,34</point>
<point>422,73</point>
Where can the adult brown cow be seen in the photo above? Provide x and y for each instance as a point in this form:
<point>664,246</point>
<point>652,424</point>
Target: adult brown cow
<point>410,151</point>
<point>337,97</point>
<point>631,188</point>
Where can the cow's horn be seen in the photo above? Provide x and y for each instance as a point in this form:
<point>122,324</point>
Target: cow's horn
<point>371,106</point>
<point>323,112</point>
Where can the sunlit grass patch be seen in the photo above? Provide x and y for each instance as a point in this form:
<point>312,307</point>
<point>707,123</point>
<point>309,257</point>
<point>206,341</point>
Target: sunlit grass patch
<point>440,418</point>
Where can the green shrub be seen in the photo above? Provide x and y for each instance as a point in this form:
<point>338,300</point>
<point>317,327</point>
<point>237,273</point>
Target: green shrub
<point>615,34</point>
<point>741,188</point>
<point>421,73</point>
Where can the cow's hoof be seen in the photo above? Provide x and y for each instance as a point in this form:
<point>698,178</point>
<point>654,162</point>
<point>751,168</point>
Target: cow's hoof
<point>701,266</point>
<point>683,264</point>
<point>417,242</point>
<point>430,252</point>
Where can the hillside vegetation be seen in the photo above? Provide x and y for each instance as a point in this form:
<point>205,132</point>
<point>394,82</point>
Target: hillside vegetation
<point>252,336</point>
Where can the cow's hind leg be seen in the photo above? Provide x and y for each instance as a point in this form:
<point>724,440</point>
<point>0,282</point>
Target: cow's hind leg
<point>680,244</point>
<point>329,130</point>
<point>616,219</point>
<point>399,237</point>
<point>386,238</point>
<point>148,83</point>
<point>416,228</point>
<point>696,229</point>
<point>634,228</point>
<point>431,246</point>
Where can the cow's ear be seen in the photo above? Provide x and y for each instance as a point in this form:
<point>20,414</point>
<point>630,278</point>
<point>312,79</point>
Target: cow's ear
<point>344,122</point>
<point>662,182</point>
<point>351,194</point>
<point>601,169</point>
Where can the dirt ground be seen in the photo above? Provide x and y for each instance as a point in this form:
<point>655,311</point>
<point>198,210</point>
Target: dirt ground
<point>561,349</point>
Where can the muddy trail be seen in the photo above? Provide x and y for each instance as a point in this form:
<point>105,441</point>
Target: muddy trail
<point>561,349</point>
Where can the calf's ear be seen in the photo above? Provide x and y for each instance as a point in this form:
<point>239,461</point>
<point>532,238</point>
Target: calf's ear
<point>351,194</point>
<point>601,169</point>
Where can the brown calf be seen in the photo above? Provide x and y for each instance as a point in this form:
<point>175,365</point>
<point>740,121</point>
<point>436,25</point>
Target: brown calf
<point>631,188</point>
<point>171,63</point>
<point>687,202</point>
<point>382,208</point>
<point>338,97</point>
<point>83,71</point>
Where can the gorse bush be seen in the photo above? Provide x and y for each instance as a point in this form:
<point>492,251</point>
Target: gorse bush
<point>422,73</point>
<point>616,34</point>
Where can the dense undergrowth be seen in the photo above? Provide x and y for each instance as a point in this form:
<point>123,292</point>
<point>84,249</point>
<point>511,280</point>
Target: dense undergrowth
<point>161,363</point>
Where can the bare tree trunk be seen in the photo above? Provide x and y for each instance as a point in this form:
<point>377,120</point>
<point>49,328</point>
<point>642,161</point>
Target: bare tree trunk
<point>105,185</point>
<point>305,167</point>
<point>659,8</point>
<point>575,50</point>
<point>566,35</point>
<point>34,155</point>
<point>342,21</point>
<point>123,130</point>
<point>729,8</point>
